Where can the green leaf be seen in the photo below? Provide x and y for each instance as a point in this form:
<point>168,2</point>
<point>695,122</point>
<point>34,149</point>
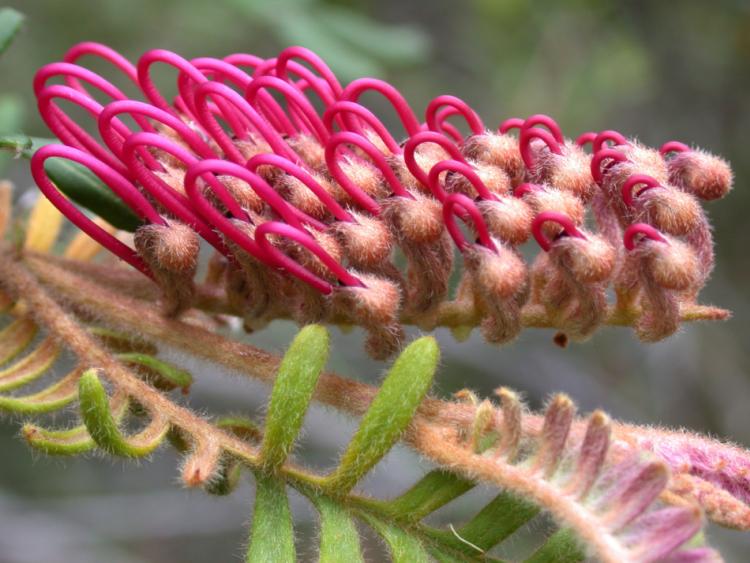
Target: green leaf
<point>86,189</point>
<point>434,490</point>
<point>226,479</point>
<point>339,539</point>
<point>272,536</point>
<point>502,516</point>
<point>389,414</point>
<point>10,24</point>
<point>103,428</point>
<point>403,547</point>
<point>164,375</point>
<point>292,393</point>
<point>49,399</point>
<point>77,182</point>
<point>561,547</point>
<point>30,367</point>
<point>71,441</point>
<point>15,338</point>
<point>241,427</point>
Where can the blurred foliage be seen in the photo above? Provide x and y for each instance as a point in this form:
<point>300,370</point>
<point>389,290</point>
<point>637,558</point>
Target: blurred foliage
<point>658,70</point>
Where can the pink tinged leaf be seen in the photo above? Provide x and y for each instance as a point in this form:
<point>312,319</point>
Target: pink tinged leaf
<point>719,505</point>
<point>557,421</point>
<point>511,429</point>
<point>724,465</point>
<point>661,533</point>
<point>632,494</point>
<point>593,453</point>
<point>697,555</point>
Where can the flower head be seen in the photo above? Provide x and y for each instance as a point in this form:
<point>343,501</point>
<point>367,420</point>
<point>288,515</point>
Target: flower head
<point>305,207</point>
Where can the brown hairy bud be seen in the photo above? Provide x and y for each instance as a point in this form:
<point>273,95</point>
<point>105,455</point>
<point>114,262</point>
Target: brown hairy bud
<point>256,290</point>
<point>301,197</point>
<point>670,210</point>
<point>417,225</point>
<point>665,270</point>
<point>255,145</point>
<point>310,150</point>
<point>171,252</point>
<point>508,219</point>
<point>496,180</point>
<point>366,242</point>
<point>674,265</point>
<point>704,175</point>
<point>309,305</point>
<point>365,175</point>
<point>591,260</point>
<point>418,220</point>
<point>376,308</point>
<point>241,192</point>
<point>172,176</point>
<point>549,198</point>
<point>202,464</point>
<point>426,156</point>
<point>572,287</point>
<point>571,172</point>
<point>640,160</point>
<point>499,150</point>
<point>217,265</point>
<point>500,284</point>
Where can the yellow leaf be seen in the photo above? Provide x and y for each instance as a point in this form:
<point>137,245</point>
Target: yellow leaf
<point>83,247</point>
<point>43,226</point>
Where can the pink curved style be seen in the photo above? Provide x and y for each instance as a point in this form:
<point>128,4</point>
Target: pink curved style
<point>116,182</point>
<point>528,135</point>
<point>472,119</point>
<point>470,209</point>
<point>266,159</point>
<point>407,116</point>
<point>643,230</point>
<point>410,149</point>
<point>288,265</point>
<point>567,224</point>
<point>360,197</point>
<point>462,168</point>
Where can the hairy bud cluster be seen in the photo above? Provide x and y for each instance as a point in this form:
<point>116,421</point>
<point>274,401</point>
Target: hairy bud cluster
<point>324,216</point>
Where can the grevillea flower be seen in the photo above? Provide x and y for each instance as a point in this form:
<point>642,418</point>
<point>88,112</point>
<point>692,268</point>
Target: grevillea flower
<point>305,208</point>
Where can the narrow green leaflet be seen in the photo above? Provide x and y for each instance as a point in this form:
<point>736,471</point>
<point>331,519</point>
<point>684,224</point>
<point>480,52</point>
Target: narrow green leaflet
<point>403,547</point>
<point>497,520</point>
<point>389,414</point>
<point>10,24</point>
<point>272,536</point>
<point>339,539</point>
<point>292,393</point>
<point>432,491</point>
<point>102,425</point>
<point>561,547</point>
<point>167,375</point>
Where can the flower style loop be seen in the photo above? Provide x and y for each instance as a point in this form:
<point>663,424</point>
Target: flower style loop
<point>287,264</point>
<point>568,227</point>
<point>643,230</point>
<point>471,211</point>
<point>463,109</point>
<point>410,149</point>
<point>645,181</point>
<point>126,191</point>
